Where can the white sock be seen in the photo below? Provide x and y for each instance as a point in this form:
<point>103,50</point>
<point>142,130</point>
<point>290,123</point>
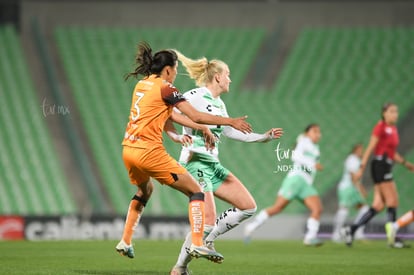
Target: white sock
<point>359,233</point>
<point>184,258</point>
<point>361,212</point>
<point>207,229</point>
<point>228,220</point>
<point>257,221</point>
<point>312,229</point>
<point>339,221</point>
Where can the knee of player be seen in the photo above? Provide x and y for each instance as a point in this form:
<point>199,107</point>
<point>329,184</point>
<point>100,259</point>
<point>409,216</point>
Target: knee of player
<point>149,189</point>
<point>317,210</point>
<point>144,191</point>
<point>378,207</point>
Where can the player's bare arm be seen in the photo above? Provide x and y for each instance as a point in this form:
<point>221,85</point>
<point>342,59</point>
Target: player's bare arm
<point>401,160</point>
<point>239,123</point>
<point>172,133</point>
<point>209,138</point>
<point>372,143</point>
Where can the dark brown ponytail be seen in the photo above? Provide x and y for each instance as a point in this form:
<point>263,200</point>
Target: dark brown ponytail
<point>151,64</point>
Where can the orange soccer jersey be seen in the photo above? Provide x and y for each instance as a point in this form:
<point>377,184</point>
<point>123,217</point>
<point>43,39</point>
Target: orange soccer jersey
<point>144,155</point>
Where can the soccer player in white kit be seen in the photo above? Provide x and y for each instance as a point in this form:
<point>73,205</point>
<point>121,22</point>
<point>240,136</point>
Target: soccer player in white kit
<point>298,184</point>
<point>351,193</point>
<point>213,79</point>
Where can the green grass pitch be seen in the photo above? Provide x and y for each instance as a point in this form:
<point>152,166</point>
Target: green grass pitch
<point>157,257</point>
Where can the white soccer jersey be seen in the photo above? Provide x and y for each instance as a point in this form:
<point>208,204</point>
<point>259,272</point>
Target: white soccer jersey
<point>304,157</point>
<point>351,165</point>
<point>203,101</point>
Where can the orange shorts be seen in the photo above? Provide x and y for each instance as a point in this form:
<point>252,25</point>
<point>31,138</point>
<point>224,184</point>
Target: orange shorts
<point>154,161</point>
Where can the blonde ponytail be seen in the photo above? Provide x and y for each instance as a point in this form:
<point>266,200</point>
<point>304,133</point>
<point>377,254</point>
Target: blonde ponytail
<point>201,70</point>
<point>196,69</point>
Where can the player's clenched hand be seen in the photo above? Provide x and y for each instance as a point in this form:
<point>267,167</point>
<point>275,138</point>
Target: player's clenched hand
<point>185,140</point>
<point>209,139</point>
<point>242,125</point>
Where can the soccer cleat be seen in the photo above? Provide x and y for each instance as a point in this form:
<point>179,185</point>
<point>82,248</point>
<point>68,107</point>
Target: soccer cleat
<point>359,235</point>
<point>313,242</point>
<point>336,237</point>
<point>206,253</point>
<point>178,270</point>
<point>125,250</point>
<point>391,232</point>
<point>210,245</point>
<point>347,235</point>
<point>398,243</point>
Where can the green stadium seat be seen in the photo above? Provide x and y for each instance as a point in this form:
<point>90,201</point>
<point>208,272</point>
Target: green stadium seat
<point>32,181</point>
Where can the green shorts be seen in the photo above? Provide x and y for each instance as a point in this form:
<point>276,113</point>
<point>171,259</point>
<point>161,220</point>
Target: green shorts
<point>210,175</point>
<point>350,197</point>
<point>295,187</point>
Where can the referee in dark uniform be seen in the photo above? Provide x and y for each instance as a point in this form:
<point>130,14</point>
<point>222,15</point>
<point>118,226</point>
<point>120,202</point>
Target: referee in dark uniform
<point>383,143</point>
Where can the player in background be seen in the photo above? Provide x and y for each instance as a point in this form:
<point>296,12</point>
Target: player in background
<point>351,193</point>
<point>391,228</point>
<point>298,184</point>
<point>213,79</point>
<point>144,155</point>
<point>383,143</point>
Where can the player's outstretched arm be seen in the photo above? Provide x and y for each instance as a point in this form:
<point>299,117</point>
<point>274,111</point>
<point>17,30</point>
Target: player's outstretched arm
<point>239,123</point>
<point>252,137</point>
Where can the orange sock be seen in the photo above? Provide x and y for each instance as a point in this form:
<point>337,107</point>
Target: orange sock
<point>196,217</point>
<point>406,219</point>
<point>134,213</point>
